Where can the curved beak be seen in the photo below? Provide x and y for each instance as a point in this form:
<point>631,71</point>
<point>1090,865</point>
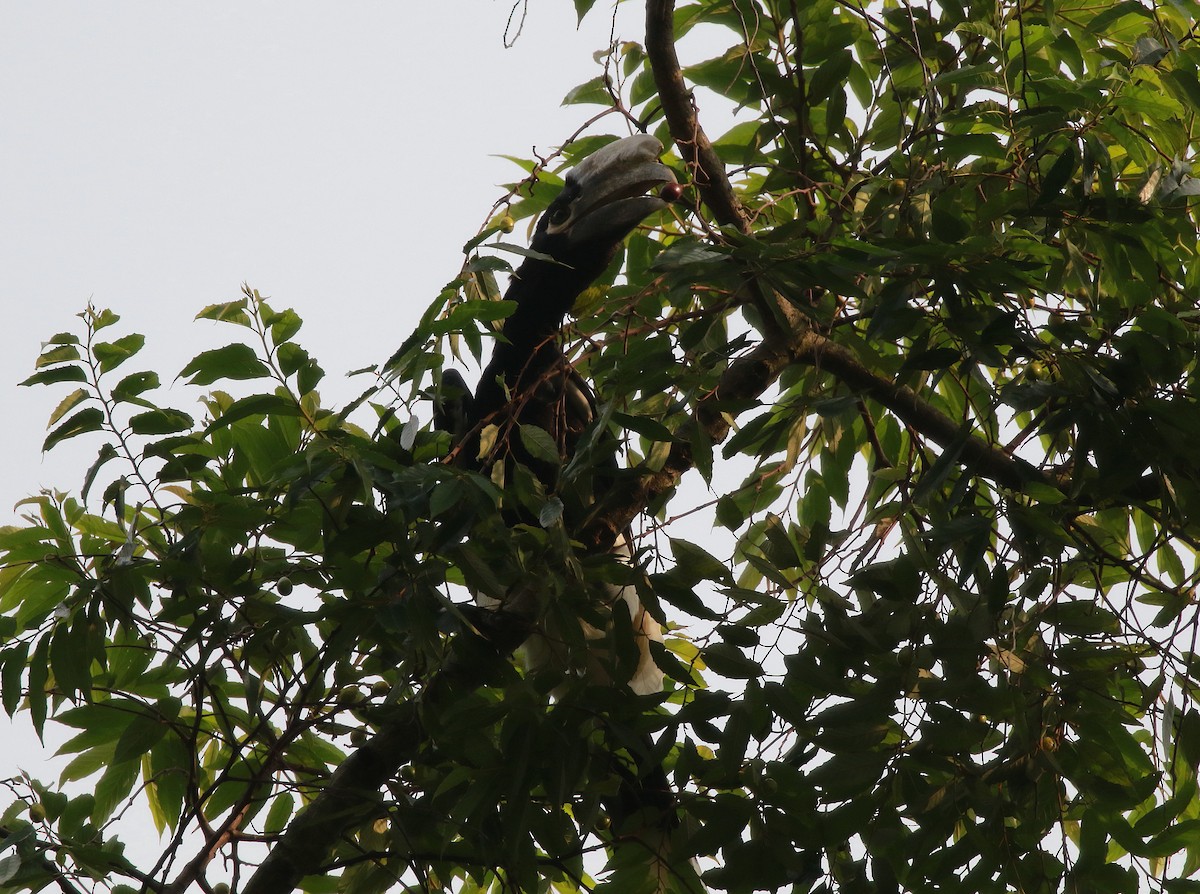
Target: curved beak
<point>612,191</point>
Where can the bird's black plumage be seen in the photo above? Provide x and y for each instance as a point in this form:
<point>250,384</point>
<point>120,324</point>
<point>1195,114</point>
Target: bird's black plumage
<point>529,381</point>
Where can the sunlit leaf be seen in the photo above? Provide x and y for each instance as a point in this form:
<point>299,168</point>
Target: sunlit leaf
<point>113,354</point>
<point>236,361</point>
<point>229,312</point>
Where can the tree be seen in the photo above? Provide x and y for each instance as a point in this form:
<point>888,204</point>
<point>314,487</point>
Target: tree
<point>931,300</point>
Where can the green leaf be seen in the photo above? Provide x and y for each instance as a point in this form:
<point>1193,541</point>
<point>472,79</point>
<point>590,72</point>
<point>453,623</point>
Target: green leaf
<point>10,865</point>
<point>67,404</point>
<point>138,737</point>
<point>1187,85</point>
<point>551,512</point>
<point>134,384</point>
<point>539,444</point>
<point>107,452</point>
<point>1105,17</point>
<point>227,312</point>
<point>57,354</point>
<point>236,361</point>
<point>648,428</point>
<point>724,817</point>
<point>525,252</point>
<point>12,669</point>
<point>101,319</point>
<point>112,354</point>
<point>70,658</point>
<point>160,422</point>
<point>69,373</point>
<point>1059,174</point>
<point>291,358</point>
<point>86,420</point>
<point>697,563</point>
<point>475,311</point>
<point>948,224</point>
<point>113,789</point>
<point>829,75</point>
<point>729,661</point>
<point>308,377</point>
<point>897,579</point>
<point>170,767</point>
<point>280,812</point>
<point>594,92</point>
<point>284,325</point>
<point>582,8</point>
<point>39,674</point>
<point>484,267</point>
<point>1082,617</point>
<point>272,405</point>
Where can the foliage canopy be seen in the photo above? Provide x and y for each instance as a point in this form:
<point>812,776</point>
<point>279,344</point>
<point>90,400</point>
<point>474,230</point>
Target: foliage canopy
<point>923,336</point>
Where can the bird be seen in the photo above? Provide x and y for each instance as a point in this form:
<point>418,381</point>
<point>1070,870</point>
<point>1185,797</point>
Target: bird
<point>528,381</point>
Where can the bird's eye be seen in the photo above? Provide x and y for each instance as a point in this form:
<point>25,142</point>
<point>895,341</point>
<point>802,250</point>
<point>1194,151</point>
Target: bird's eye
<point>560,215</point>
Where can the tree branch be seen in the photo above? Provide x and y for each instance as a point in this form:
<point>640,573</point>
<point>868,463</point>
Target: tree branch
<point>707,170</point>
<point>746,379</point>
<point>352,793</point>
<point>795,342</point>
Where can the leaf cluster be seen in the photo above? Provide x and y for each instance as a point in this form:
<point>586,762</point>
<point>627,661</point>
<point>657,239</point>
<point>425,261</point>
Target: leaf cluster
<point>972,229</point>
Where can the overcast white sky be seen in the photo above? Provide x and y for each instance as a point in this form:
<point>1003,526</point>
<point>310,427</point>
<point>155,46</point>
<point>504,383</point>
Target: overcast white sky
<point>333,156</point>
<point>155,156</point>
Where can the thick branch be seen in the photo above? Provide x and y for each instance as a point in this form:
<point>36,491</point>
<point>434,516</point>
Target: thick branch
<point>352,793</point>
<point>795,341</point>
<point>346,801</point>
<point>707,170</point>
<point>748,378</point>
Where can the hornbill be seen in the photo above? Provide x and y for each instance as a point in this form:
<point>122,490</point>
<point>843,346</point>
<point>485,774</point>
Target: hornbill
<point>529,381</point>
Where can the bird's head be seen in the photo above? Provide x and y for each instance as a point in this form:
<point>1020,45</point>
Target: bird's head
<point>603,198</point>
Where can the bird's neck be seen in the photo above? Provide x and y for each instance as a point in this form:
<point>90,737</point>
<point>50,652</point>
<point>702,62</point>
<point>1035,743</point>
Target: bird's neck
<point>544,294</point>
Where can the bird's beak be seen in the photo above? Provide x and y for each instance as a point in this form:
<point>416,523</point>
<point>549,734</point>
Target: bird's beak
<point>615,189</point>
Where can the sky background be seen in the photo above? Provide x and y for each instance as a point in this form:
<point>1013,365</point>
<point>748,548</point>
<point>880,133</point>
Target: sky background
<point>155,156</point>
<point>334,157</point>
